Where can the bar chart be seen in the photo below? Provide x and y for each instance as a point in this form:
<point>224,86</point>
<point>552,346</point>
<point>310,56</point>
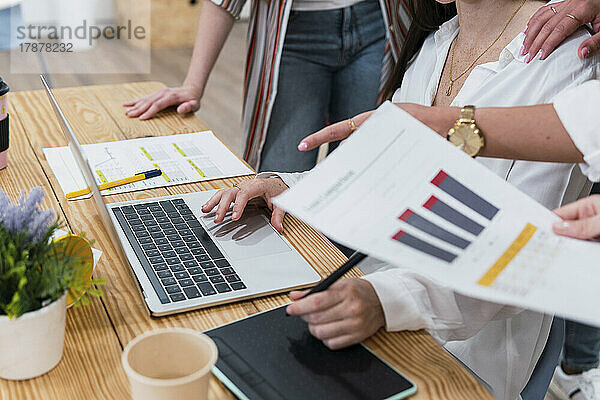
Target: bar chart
<point>465,195</point>
<point>419,222</point>
<point>424,247</point>
<point>448,216</point>
<point>453,216</point>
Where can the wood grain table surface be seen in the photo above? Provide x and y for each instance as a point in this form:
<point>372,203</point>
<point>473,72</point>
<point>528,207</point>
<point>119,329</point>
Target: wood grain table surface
<point>96,334</point>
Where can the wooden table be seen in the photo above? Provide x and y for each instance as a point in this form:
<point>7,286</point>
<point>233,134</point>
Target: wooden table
<point>95,335</point>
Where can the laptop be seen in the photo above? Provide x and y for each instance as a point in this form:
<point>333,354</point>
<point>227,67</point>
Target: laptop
<point>180,258</point>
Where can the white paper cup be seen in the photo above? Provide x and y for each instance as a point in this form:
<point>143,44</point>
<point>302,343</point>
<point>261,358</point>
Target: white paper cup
<point>170,364</point>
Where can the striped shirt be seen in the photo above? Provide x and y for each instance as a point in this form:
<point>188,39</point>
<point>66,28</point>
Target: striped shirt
<point>266,33</point>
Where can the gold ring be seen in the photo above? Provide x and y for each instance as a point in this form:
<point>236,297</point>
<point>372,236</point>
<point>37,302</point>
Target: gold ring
<point>554,10</point>
<point>352,125</point>
<point>574,18</point>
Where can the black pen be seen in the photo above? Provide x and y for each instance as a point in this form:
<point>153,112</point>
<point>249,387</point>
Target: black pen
<point>337,274</point>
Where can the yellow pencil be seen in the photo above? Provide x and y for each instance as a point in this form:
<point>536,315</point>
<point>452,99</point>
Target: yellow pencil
<point>137,177</point>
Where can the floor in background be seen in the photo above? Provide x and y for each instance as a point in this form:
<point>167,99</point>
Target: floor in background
<point>221,106</point>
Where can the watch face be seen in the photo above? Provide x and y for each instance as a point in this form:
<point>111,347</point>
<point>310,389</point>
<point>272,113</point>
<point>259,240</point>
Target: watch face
<point>467,138</point>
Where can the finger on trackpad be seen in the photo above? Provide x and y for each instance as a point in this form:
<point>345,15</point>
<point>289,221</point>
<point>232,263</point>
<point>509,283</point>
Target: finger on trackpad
<point>250,236</point>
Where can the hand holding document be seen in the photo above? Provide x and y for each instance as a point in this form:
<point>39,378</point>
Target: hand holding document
<point>399,192</point>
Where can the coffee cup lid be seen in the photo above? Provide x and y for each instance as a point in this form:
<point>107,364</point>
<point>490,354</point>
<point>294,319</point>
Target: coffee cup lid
<point>3,87</point>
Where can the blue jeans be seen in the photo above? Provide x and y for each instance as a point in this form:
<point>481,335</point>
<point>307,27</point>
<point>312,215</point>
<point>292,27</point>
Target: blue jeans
<point>582,342</point>
<point>330,71</point>
<point>582,346</point>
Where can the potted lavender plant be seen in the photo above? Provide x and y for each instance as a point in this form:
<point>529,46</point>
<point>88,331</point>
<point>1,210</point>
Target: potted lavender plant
<point>36,273</point>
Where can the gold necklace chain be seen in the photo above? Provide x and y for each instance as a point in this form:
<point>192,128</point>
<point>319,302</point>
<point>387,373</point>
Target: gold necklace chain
<point>452,80</point>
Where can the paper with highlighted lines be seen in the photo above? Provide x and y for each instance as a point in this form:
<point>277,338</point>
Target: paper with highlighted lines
<point>397,191</point>
<point>184,158</point>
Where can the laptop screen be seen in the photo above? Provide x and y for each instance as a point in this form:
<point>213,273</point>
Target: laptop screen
<point>84,167</point>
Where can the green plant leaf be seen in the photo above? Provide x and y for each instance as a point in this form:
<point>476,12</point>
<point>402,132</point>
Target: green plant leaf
<point>33,274</point>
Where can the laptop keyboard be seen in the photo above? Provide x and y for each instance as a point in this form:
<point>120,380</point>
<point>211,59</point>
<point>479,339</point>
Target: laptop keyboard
<point>179,257</point>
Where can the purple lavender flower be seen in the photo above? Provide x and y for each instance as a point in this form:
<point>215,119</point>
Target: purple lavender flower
<point>26,214</point>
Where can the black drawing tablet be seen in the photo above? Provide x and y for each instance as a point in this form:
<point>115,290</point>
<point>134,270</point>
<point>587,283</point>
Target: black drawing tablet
<point>271,356</point>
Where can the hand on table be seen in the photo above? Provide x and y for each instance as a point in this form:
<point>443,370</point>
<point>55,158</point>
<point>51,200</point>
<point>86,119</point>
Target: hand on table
<point>186,98</point>
<point>547,30</point>
<point>581,219</point>
<point>345,314</point>
<point>240,195</point>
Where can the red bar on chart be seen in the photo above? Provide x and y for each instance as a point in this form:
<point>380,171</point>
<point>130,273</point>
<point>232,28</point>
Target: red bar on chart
<point>465,195</point>
<point>424,247</point>
<point>423,224</point>
<point>443,210</point>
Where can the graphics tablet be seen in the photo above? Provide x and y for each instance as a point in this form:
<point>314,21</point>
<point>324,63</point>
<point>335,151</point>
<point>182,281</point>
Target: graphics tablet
<point>272,356</point>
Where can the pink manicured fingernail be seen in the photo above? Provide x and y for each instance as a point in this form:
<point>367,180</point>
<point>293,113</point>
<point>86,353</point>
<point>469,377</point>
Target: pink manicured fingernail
<point>234,215</point>
<point>528,58</point>
<point>522,52</point>
<point>585,52</point>
<point>561,226</point>
<point>540,55</point>
<point>303,146</point>
<point>526,27</point>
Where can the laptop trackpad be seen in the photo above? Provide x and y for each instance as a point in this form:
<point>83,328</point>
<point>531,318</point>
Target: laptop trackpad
<point>251,236</point>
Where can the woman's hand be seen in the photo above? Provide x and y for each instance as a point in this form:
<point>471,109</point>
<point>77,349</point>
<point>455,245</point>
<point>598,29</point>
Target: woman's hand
<point>240,195</point>
<point>547,29</point>
<point>186,98</point>
<point>345,314</point>
<point>434,117</point>
<point>581,219</point>
<point>338,131</point>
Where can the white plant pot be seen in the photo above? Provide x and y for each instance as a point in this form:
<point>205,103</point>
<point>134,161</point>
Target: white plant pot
<point>32,344</point>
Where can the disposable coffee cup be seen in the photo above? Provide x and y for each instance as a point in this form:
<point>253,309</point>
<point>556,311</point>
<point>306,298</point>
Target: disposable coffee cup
<point>3,124</point>
<point>170,364</point>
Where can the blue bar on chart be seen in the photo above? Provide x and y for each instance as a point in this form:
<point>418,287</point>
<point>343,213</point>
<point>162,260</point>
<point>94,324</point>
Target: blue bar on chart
<point>423,224</point>
<point>465,195</point>
<point>424,247</point>
<point>443,210</point>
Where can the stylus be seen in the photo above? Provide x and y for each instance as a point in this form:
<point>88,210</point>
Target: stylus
<point>337,274</point>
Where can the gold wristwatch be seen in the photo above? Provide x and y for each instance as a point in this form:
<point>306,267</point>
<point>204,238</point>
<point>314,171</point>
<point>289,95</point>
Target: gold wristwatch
<point>466,134</point>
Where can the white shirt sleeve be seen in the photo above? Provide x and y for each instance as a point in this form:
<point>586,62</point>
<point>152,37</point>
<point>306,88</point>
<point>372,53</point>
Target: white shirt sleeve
<point>413,302</point>
<point>578,110</point>
<point>289,178</point>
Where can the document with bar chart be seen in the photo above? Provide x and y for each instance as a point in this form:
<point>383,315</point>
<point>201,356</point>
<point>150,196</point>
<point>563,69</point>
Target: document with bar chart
<point>183,158</point>
<point>399,192</point>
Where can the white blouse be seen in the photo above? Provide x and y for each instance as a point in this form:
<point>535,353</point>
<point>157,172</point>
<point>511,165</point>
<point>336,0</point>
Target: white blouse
<point>500,344</point>
<point>514,343</point>
<point>578,110</point>
<point>509,82</point>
